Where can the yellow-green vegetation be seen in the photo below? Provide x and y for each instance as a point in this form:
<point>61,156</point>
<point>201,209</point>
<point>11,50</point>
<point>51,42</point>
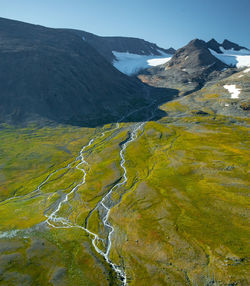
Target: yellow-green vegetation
<point>181,219</point>
<point>51,257</point>
<point>186,221</point>
<point>29,154</point>
<point>48,256</point>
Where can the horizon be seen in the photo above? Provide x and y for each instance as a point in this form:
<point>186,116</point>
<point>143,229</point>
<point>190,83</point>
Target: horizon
<point>220,42</point>
<point>106,22</point>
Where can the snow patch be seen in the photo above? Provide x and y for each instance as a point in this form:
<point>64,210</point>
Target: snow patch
<point>236,53</point>
<point>157,61</point>
<point>233,58</point>
<point>233,90</point>
<point>131,64</point>
<point>246,70</point>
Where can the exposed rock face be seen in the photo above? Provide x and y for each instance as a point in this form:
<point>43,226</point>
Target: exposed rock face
<point>189,68</point>
<point>214,45</point>
<point>227,45</point>
<point>56,75</point>
<point>195,56</point>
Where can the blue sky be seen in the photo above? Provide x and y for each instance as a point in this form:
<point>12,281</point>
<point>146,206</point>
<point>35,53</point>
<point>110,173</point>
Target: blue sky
<point>167,23</point>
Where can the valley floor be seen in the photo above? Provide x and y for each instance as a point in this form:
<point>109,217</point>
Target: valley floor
<point>177,214</point>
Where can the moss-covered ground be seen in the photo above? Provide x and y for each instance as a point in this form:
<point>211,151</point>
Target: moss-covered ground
<point>186,221</point>
<point>183,216</point>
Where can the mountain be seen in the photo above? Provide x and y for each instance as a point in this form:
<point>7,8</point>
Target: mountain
<point>189,68</point>
<point>226,45</point>
<point>178,209</point>
<point>193,56</point>
<point>230,53</point>
<point>160,202</point>
<point>128,55</point>
<point>107,45</point>
<point>214,45</point>
<point>54,74</point>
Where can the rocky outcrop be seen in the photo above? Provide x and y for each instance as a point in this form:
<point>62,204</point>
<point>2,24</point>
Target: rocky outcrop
<point>188,70</point>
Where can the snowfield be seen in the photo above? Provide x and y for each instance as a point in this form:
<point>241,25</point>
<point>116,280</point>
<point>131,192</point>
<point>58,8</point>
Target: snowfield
<point>239,59</point>
<point>131,64</point>
<point>235,92</point>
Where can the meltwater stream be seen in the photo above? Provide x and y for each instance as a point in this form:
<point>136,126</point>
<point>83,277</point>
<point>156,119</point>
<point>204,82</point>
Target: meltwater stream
<point>59,222</point>
<point>104,206</point>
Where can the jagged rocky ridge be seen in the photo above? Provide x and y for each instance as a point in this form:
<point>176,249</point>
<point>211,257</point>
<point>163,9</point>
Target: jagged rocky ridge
<point>188,70</point>
<point>227,45</point>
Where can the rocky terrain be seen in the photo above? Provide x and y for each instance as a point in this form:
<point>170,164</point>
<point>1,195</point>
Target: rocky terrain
<point>196,64</point>
<point>227,45</point>
<point>188,70</point>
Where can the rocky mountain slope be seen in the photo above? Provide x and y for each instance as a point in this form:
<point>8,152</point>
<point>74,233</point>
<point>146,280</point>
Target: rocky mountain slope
<point>54,74</point>
<point>188,70</point>
<point>225,97</point>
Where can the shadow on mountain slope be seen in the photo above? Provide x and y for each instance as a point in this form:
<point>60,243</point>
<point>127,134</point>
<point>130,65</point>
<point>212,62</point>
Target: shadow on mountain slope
<point>141,111</point>
<point>136,111</point>
<point>51,75</point>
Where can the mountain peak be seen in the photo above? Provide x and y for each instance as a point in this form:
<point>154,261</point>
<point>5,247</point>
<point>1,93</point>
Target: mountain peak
<point>198,43</point>
<point>228,45</point>
<point>213,41</point>
<point>227,42</point>
<point>194,56</point>
<point>191,66</point>
<point>214,45</point>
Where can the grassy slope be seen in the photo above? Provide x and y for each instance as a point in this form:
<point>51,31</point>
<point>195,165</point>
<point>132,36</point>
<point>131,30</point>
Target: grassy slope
<point>186,219</point>
<point>189,211</point>
<point>28,156</point>
<point>42,256</point>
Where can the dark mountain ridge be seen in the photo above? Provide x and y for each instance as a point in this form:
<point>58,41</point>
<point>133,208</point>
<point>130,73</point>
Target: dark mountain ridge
<point>227,45</point>
<point>54,74</point>
<point>105,45</point>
